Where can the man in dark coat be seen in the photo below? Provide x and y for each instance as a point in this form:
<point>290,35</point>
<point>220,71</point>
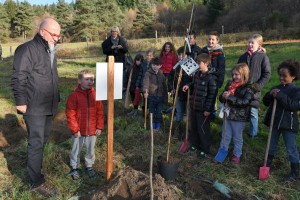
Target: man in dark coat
<point>35,87</point>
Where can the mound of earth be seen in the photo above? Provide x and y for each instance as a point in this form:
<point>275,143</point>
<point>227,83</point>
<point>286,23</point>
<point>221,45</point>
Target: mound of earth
<point>132,184</point>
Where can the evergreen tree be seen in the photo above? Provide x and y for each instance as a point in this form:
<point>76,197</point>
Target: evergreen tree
<point>11,9</point>
<point>4,23</point>
<point>23,19</point>
<point>109,14</point>
<point>142,25</point>
<point>127,4</point>
<point>215,9</point>
<point>64,17</point>
<point>86,24</point>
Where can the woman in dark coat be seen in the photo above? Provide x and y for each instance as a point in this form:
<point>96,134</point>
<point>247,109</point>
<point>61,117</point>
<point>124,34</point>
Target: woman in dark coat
<point>116,46</point>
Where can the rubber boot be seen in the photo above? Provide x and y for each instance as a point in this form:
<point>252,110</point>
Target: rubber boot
<point>294,173</point>
<point>157,126</point>
<point>154,125</point>
<point>130,113</point>
<point>135,112</point>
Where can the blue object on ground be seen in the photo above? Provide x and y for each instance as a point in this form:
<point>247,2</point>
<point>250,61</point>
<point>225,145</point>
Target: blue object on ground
<point>222,188</point>
<point>221,155</point>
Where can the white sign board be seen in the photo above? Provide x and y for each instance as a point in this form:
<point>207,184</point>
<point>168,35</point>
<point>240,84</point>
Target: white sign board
<point>189,65</point>
<point>101,81</point>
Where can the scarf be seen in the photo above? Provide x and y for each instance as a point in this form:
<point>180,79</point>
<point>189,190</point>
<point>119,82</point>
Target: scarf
<point>233,86</point>
<point>250,53</point>
<point>115,41</point>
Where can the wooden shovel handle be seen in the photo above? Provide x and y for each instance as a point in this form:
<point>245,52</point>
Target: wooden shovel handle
<point>187,115</point>
<point>271,128</point>
<point>145,114</point>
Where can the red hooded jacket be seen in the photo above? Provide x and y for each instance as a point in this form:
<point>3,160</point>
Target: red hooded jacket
<point>84,113</point>
<point>168,62</point>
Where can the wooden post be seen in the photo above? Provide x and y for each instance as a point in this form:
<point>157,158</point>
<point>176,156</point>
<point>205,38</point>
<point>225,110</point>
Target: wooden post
<point>222,31</point>
<point>151,157</point>
<point>110,117</point>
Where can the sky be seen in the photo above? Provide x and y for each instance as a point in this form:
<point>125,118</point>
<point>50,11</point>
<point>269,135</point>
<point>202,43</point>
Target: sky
<point>44,2</point>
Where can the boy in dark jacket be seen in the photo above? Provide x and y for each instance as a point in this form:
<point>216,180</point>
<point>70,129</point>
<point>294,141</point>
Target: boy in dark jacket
<point>286,121</point>
<point>86,121</point>
<point>203,90</point>
<point>215,51</point>
<point>155,89</point>
<point>217,65</point>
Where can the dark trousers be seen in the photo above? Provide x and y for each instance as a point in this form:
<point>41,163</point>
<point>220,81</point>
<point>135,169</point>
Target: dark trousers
<point>200,136</point>
<point>155,107</point>
<point>38,128</point>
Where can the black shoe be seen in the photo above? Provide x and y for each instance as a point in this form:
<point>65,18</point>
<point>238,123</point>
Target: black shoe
<point>45,190</point>
<point>253,136</point>
<point>294,175</point>
<point>191,149</point>
<point>91,172</point>
<point>202,155</point>
<point>74,173</point>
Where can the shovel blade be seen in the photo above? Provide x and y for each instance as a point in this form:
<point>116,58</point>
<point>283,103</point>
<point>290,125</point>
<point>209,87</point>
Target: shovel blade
<point>221,155</point>
<point>184,145</point>
<point>264,172</point>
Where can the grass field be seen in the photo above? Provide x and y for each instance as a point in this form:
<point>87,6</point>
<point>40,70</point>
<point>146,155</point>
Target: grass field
<point>131,141</point>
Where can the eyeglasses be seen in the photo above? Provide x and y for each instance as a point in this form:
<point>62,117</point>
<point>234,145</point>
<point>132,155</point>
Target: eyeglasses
<point>89,79</point>
<point>53,34</point>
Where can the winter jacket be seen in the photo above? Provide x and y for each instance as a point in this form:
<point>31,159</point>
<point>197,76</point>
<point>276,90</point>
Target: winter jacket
<point>119,54</point>
<point>173,80</point>
<point>34,80</point>
<point>168,62</point>
<point>239,103</point>
<point>195,51</point>
<point>144,67</point>
<point>135,74</point>
<point>217,65</point>
<point>84,113</point>
<point>288,103</point>
<point>203,90</point>
<point>260,71</point>
<point>155,84</point>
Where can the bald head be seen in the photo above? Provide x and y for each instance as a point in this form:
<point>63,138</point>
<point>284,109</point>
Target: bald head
<point>50,23</point>
<point>50,30</point>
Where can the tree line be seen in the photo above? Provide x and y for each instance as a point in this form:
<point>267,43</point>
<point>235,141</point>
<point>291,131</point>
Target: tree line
<point>90,20</point>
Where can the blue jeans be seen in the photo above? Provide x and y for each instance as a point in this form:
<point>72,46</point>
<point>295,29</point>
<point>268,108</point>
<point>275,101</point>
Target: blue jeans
<point>253,128</point>
<point>155,107</point>
<point>289,141</point>
<point>234,130</point>
<point>180,110</point>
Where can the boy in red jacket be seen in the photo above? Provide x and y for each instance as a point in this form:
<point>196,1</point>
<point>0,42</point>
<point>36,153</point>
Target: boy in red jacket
<point>86,121</point>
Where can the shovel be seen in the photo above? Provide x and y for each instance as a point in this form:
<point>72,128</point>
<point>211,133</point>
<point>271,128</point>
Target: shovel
<point>127,96</point>
<point>145,117</point>
<point>264,170</point>
<point>184,145</point>
<point>222,153</point>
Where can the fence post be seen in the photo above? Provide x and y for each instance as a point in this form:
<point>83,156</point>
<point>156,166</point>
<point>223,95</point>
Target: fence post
<point>222,31</point>
<point>10,48</point>
<point>156,36</point>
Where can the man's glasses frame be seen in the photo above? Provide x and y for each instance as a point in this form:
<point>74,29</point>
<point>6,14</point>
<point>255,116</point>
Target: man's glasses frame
<point>52,34</point>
